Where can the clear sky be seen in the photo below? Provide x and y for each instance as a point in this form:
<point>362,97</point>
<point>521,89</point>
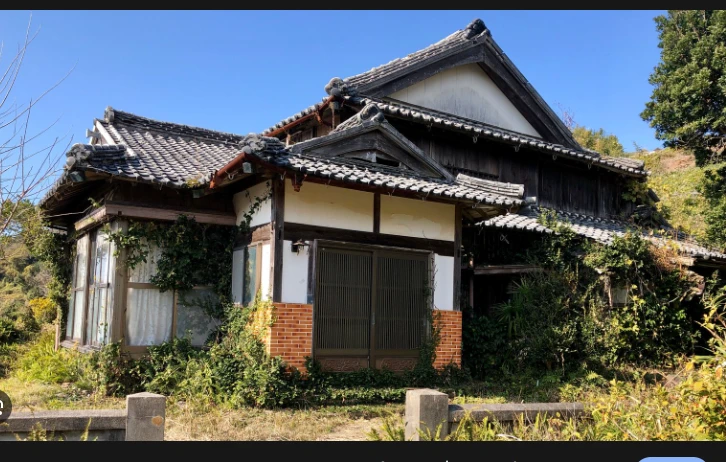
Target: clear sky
<point>243,71</point>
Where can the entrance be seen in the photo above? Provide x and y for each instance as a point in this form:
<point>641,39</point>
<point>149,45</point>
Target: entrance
<point>371,307</point>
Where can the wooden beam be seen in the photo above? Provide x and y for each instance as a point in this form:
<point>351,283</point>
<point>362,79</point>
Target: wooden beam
<point>96,216</point>
<point>120,279</point>
<point>295,231</point>
<point>260,233</point>
<point>457,257</point>
<point>377,213</point>
<point>152,213</point>
<point>278,236</point>
<point>481,270</point>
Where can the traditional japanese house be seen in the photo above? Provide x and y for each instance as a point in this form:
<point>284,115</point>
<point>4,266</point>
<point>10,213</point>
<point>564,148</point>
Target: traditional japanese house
<point>408,188</point>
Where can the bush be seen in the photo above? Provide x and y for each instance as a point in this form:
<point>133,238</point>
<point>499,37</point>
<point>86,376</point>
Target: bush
<point>44,309</point>
<point>41,362</point>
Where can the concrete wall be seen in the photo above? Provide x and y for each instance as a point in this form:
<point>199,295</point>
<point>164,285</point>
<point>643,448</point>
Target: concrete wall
<point>467,91</point>
<point>329,206</point>
<point>417,218</point>
<point>265,282</point>
<point>294,274</point>
<point>443,282</point>
<point>244,200</point>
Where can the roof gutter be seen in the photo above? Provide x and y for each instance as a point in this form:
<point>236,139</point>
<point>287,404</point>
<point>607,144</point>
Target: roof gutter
<point>231,166</point>
<point>314,114</point>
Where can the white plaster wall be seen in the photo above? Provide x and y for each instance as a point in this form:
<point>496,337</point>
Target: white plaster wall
<point>329,206</point>
<point>294,274</point>
<point>417,218</point>
<point>265,276</point>
<point>443,282</point>
<point>238,261</point>
<point>243,201</point>
<point>467,91</point>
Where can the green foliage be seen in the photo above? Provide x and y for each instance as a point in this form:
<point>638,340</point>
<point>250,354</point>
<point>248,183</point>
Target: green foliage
<point>687,101</point>
<point>43,308</point>
<point>676,180</point>
<point>599,141</point>
<point>562,317</point>
<point>686,107</point>
<point>192,254</point>
<point>41,362</point>
<point>714,190</point>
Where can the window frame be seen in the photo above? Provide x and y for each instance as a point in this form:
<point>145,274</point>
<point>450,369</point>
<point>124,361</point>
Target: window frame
<point>90,270</point>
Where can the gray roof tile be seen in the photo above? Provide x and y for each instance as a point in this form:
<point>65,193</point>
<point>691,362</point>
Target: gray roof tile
<point>602,230</point>
<point>442,119</point>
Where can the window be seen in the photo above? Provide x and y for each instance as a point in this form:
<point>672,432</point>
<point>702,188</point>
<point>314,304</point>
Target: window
<point>250,272</point>
<point>153,316</point>
<point>90,309</point>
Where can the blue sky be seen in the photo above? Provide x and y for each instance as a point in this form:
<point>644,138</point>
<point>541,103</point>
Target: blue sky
<point>242,71</point>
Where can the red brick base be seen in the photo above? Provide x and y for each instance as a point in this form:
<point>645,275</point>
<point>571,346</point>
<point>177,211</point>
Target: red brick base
<point>449,348</point>
<point>291,336</point>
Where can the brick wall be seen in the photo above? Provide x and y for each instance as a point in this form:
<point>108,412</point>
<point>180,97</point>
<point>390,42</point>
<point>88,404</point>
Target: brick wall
<point>449,348</point>
<point>291,336</point>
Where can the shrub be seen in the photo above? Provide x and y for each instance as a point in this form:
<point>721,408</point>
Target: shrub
<point>41,362</point>
<point>44,309</point>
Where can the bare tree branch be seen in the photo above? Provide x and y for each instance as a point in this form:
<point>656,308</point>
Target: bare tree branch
<point>25,171</point>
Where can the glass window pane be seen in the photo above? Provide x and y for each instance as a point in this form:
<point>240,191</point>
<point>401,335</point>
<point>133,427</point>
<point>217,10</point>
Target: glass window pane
<point>143,271</point>
<point>69,319</point>
<point>250,275</point>
<point>192,318</point>
<point>237,275</point>
<point>78,314</point>
<point>148,316</point>
<point>101,260</point>
<point>81,261</point>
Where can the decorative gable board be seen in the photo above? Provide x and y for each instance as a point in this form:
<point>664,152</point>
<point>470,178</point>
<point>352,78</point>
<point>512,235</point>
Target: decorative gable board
<point>467,91</point>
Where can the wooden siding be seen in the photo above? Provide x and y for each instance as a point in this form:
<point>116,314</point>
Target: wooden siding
<point>556,182</point>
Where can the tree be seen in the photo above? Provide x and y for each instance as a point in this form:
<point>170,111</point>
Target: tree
<point>604,143</point>
<point>25,169</point>
<point>688,104</point>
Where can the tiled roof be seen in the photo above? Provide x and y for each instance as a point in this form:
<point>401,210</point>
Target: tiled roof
<point>459,40</point>
<point>150,151</point>
<point>378,175</point>
<point>171,154</point>
<point>602,230</point>
<point>307,111</point>
<point>449,121</point>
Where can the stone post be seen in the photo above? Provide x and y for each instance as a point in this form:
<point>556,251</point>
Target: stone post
<point>426,410</point>
<point>145,416</point>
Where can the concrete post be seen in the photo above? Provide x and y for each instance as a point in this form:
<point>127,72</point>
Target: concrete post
<point>426,410</point>
<point>145,416</point>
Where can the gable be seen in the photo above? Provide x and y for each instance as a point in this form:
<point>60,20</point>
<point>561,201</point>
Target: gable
<point>367,137</point>
<point>467,91</point>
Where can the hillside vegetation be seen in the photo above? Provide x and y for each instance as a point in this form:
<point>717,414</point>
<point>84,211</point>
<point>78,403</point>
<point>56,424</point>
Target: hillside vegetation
<point>675,178</point>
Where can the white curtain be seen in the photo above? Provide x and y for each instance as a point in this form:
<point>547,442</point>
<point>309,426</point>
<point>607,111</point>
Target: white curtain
<point>149,316</point>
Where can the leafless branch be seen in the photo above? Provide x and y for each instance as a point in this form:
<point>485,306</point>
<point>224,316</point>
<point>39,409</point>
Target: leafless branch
<point>25,171</point>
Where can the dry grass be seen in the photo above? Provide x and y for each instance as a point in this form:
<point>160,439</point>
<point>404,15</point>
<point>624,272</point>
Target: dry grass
<point>38,396</point>
<point>185,422</point>
<point>214,423</point>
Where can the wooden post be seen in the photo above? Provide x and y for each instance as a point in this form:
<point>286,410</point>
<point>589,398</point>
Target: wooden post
<point>278,236</point>
<point>457,257</point>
